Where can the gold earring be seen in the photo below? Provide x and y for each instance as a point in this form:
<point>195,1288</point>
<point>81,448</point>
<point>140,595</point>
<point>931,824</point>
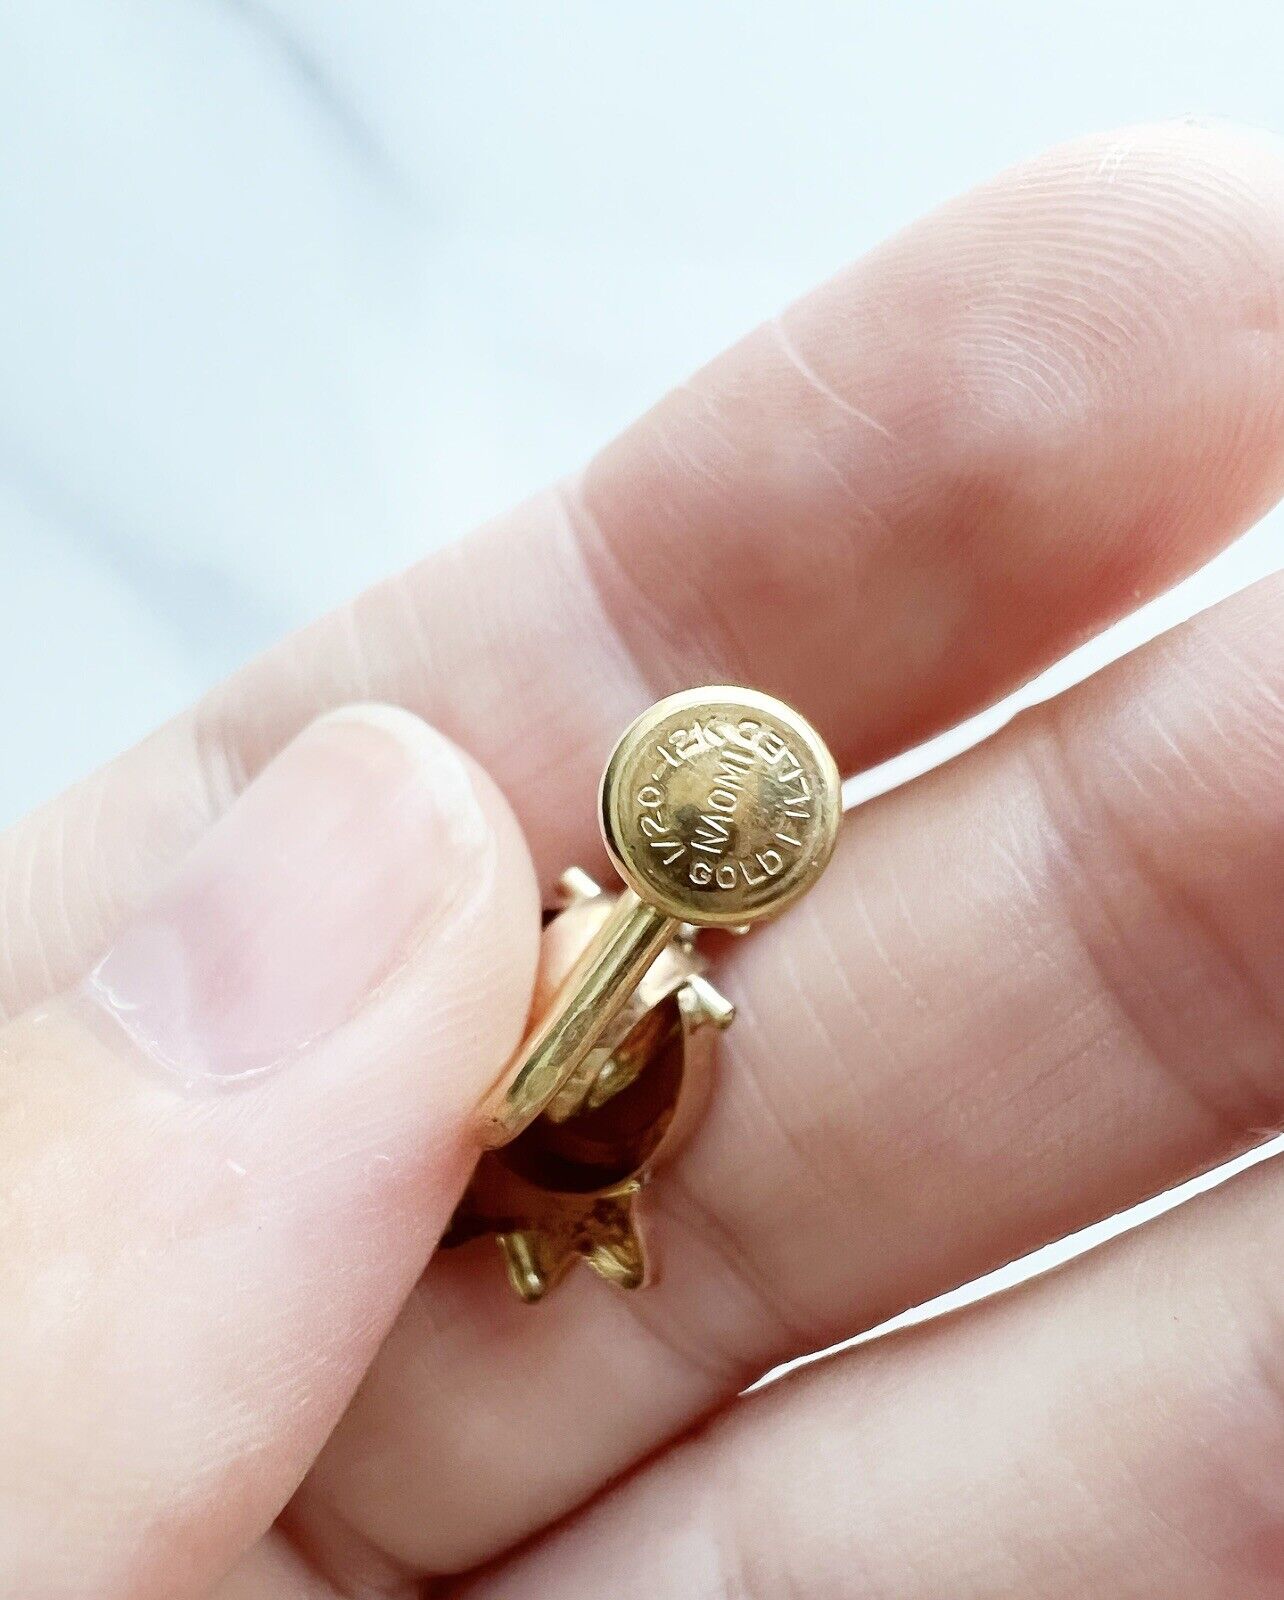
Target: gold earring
<point>719,807</point>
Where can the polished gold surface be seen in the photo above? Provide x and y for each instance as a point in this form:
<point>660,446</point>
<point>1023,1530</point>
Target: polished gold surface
<point>594,989</point>
<point>719,807</point>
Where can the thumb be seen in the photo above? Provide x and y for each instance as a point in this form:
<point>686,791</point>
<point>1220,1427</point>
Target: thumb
<point>226,1157</point>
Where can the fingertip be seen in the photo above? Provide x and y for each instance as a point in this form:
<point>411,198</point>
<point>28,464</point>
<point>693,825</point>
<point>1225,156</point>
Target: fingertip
<point>368,839</point>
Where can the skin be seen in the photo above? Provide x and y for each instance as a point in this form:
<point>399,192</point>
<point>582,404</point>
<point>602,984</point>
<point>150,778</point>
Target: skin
<point>1035,986</point>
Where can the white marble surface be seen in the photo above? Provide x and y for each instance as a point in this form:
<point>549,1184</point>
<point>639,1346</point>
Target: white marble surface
<point>292,290</point>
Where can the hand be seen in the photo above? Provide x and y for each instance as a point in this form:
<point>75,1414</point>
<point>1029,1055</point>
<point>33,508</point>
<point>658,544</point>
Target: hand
<point>260,970</point>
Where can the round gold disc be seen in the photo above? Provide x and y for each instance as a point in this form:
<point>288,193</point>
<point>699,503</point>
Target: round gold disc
<point>720,806</point>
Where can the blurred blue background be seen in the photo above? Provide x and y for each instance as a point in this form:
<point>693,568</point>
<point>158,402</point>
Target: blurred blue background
<point>294,290</point>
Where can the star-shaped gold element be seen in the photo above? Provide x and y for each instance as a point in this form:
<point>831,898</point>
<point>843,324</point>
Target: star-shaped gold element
<point>603,1235</point>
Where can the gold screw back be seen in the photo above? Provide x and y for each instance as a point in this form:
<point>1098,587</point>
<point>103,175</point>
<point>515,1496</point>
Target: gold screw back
<point>719,807</point>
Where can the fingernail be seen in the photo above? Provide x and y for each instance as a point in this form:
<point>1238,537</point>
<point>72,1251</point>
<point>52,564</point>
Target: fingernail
<point>302,901</point>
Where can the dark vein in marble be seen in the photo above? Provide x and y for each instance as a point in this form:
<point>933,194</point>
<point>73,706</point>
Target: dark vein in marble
<point>314,82</point>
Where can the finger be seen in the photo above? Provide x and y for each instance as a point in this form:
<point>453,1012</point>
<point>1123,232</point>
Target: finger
<point>1115,1430</point>
<point>275,1570</point>
<point>227,1154</point>
<point>1032,988</point>
<point>919,485</point>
